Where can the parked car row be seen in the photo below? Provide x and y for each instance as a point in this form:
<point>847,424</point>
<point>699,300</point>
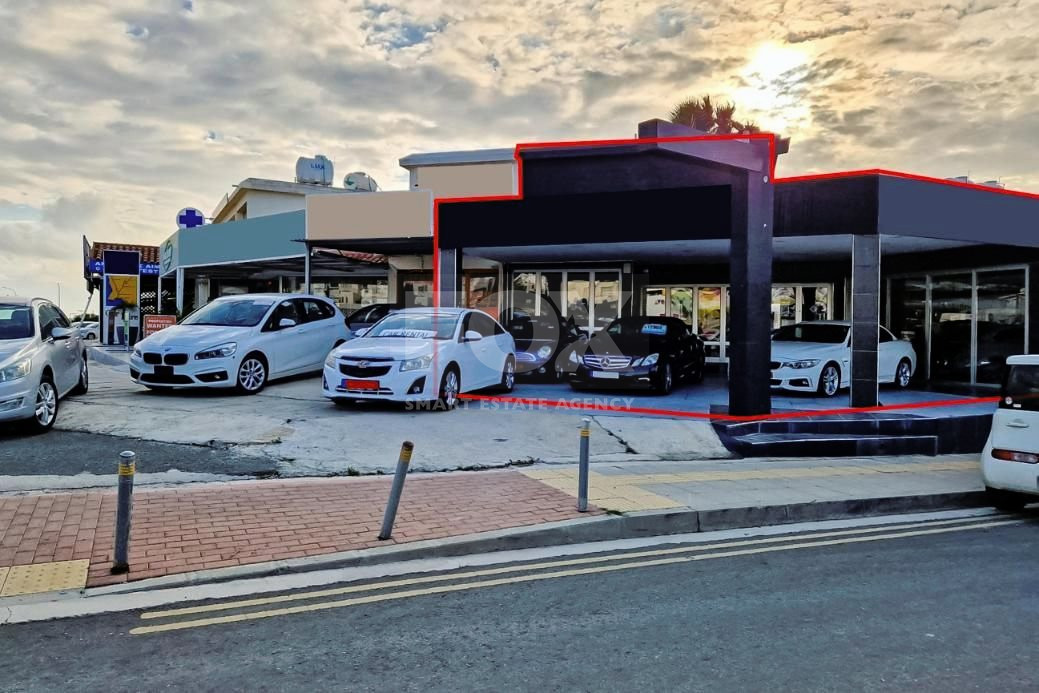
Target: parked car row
<point>383,351</point>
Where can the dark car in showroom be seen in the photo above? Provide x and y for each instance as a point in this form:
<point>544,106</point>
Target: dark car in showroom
<point>541,339</point>
<point>363,318</point>
<point>640,352</point>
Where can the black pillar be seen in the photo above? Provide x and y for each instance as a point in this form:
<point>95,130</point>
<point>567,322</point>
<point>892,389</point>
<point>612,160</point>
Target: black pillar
<point>449,261</point>
<point>750,272</point>
<point>1033,309</point>
<point>865,319</point>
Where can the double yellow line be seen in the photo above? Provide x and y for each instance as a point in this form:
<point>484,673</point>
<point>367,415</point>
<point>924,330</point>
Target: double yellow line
<point>604,564</point>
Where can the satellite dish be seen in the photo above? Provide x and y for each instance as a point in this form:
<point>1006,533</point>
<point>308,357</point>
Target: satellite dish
<point>189,218</point>
<point>360,181</point>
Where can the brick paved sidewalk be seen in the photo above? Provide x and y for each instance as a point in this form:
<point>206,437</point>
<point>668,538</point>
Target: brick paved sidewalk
<point>187,529</point>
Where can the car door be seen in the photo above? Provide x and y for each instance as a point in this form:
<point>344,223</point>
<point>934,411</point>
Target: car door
<point>888,354</point>
<point>484,359</point>
<point>63,360</point>
<point>320,331</point>
<point>283,345</point>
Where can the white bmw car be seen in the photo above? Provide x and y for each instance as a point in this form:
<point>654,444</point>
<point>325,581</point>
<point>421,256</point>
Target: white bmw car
<point>241,342</point>
<point>816,357</point>
<point>422,355</point>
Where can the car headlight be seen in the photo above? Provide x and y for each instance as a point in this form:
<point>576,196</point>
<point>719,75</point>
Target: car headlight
<point>330,360</point>
<point>650,360</point>
<point>416,364</point>
<point>137,352</point>
<point>807,363</point>
<point>15,371</point>
<point>544,352</point>
<point>574,358</point>
<point>217,352</point>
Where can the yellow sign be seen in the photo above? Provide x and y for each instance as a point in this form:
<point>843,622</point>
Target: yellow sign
<point>122,289</point>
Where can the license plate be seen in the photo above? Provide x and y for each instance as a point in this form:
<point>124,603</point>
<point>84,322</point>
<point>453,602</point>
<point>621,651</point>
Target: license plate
<point>606,375</point>
<point>360,384</point>
<point>164,370</point>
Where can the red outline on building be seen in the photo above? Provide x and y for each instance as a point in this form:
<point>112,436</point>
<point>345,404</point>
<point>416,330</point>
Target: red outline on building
<point>771,138</point>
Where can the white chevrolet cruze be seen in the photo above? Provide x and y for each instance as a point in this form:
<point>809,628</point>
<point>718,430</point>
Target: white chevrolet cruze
<point>422,355</point>
<point>241,342</point>
<point>1010,461</point>
<point>816,357</point>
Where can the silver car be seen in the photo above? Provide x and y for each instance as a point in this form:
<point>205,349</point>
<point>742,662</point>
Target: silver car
<point>42,359</point>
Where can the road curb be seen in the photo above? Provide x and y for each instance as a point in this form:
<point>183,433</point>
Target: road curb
<point>580,530</point>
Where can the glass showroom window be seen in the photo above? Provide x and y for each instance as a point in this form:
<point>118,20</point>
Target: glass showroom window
<point>963,324</point>
<point>591,298</point>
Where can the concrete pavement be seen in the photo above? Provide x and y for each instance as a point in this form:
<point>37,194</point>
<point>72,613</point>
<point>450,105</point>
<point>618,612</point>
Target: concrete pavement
<point>306,435</point>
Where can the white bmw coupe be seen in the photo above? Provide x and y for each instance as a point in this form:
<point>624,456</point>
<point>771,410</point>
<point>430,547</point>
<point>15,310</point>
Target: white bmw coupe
<point>816,357</point>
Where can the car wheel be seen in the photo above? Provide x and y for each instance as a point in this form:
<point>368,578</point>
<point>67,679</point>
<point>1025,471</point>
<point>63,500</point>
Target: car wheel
<point>903,374</point>
<point>1007,501</point>
<point>46,411</point>
<point>667,380</point>
<point>697,376</point>
<point>84,379</point>
<point>829,380</point>
<point>252,374</point>
<point>508,375</point>
<point>450,386</point>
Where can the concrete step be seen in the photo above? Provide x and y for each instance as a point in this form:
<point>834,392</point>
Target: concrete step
<point>832,444</point>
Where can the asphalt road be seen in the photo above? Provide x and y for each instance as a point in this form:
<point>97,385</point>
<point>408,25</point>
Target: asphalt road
<point>945,611</point>
<point>67,453</point>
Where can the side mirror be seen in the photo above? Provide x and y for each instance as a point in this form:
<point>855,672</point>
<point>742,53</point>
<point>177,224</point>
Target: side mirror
<point>286,322</point>
<point>473,336</point>
<point>362,332</point>
<point>61,333</point>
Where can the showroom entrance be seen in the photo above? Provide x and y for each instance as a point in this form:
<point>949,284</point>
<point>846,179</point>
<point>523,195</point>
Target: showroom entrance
<point>965,322</point>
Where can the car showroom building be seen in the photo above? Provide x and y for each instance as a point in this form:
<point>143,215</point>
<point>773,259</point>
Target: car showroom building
<point>697,227</point>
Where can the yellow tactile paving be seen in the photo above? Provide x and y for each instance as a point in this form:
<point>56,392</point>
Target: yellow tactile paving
<point>3,577</point>
<point>624,492</point>
<point>45,577</point>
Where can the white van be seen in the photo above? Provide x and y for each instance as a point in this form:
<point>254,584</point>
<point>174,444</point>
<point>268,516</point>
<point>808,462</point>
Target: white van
<point>1010,462</point>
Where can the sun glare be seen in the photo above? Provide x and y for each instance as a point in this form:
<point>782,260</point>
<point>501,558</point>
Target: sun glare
<point>765,93</point>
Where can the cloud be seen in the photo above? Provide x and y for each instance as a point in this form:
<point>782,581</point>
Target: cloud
<point>150,106</point>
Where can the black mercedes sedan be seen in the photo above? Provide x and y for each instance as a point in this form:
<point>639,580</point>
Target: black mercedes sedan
<point>642,352</point>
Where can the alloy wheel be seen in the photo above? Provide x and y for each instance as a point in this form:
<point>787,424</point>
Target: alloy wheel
<point>449,390</point>
<point>831,381</point>
<point>904,374</point>
<point>252,374</point>
<point>46,404</point>
<point>509,376</point>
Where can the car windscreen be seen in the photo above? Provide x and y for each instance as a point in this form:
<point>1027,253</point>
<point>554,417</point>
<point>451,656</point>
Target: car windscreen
<point>1021,388</point>
<point>415,326</point>
<point>237,313</point>
<point>816,334</point>
<point>15,321</point>
<point>639,328</point>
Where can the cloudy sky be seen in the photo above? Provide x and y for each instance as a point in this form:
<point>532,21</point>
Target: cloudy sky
<point>115,114</point>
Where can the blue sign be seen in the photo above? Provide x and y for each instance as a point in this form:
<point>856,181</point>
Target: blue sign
<point>189,218</point>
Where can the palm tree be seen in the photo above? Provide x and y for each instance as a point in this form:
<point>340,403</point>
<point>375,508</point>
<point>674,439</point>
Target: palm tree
<point>703,115</point>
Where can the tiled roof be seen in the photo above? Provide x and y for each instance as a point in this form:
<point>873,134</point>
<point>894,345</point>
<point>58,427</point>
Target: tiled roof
<point>373,258</point>
<point>149,253</point>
